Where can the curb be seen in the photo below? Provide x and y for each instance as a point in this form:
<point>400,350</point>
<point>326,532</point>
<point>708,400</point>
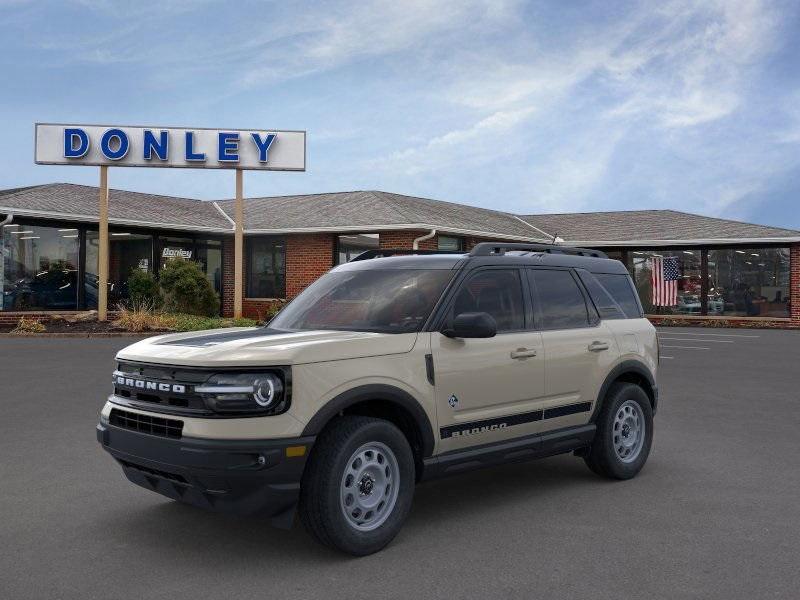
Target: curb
<point>82,335</point>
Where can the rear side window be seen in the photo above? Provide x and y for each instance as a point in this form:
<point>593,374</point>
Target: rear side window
<point>606,306</point>
<point>621,290</point>
<point>560,300</point>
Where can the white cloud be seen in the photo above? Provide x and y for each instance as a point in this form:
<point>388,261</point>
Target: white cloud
<point>345,32</point>
<point>476,143</point>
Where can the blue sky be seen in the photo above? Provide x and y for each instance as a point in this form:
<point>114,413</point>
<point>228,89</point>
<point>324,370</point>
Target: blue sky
<point>530,107</point>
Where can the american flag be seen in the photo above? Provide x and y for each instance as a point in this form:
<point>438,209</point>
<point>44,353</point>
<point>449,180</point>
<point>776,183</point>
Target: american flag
<point>665,280</point>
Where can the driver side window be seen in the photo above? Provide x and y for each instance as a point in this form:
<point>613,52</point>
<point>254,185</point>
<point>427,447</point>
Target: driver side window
<point>497,292</point>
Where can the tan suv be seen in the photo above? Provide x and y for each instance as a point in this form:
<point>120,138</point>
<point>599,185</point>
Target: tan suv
<point>389,370</point>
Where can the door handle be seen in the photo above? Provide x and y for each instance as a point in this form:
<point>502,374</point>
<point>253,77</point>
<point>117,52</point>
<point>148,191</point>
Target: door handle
<point>522,353</point>
<point>598,346</point>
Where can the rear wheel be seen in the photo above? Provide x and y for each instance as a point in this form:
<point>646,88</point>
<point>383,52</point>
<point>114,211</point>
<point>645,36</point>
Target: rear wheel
<point>624,433</point>
<point>358,486</point>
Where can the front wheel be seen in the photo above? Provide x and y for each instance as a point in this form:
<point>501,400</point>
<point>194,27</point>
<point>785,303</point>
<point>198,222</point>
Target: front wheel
<point>357,488</point>
<point>624,433</point>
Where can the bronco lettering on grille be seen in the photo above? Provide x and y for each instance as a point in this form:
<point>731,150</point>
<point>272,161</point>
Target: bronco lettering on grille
<point>154,386</point>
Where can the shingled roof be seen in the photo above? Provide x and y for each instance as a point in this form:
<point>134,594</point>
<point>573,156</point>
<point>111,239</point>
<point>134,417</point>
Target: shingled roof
<point>638,227</point>
<point>374,210</point>
<point>79,203</point>
<point>366,211</point>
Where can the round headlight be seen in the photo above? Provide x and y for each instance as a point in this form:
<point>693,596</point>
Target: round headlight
<point>266,390</point>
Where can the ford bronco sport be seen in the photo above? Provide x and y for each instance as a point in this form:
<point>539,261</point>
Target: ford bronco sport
<point>389,370</point>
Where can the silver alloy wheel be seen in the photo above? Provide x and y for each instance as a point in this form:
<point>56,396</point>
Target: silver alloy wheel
<point>369,487</point>
<point>629,431</point>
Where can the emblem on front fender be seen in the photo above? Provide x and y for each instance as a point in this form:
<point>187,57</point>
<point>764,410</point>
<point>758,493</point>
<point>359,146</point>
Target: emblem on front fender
<point>453,401</point>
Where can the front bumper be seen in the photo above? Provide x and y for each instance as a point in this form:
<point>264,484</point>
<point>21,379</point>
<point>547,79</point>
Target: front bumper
<point>244,477</point>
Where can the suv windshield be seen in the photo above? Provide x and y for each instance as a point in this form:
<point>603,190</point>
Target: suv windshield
<point>385,301</point>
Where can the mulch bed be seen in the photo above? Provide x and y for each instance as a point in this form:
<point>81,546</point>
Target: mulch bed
<point>84,327</point>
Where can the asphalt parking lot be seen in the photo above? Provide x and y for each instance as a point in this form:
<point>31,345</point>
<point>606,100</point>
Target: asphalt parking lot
<point>714,514</point>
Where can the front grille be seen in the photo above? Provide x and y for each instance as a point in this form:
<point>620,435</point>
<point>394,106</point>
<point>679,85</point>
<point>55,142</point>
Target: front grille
<point>156,385</point>
<point>169,428</point>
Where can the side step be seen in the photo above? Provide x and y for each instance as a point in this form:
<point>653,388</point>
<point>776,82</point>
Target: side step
<point>529,447</point>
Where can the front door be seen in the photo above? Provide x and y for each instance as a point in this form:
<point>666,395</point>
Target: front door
<point>488,389</point>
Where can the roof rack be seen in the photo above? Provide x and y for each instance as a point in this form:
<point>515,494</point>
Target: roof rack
<point>500,248</point>
<point>384,252</point>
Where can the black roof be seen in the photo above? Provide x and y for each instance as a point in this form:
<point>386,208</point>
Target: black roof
<point>592,264</point>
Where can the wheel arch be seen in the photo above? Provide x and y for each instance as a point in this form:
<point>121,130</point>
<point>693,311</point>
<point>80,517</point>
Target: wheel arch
<point>629,371</point>
<point>383,401</point>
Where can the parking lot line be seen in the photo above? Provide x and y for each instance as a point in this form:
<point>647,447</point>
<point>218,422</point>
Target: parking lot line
<point>669,357</point>
<point>737,335</point>
<point>672,339</point>
<point>688,347</point>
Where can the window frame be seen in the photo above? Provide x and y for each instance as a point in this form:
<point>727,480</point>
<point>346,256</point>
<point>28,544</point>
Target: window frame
<point>586,277</point>
<point>337,245</point>
<point>248,271</point>
<point>593,319</point>
<point>461,242</point>
<point>442,319</point>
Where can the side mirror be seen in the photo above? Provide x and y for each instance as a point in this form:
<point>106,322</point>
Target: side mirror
<point>472,325</point>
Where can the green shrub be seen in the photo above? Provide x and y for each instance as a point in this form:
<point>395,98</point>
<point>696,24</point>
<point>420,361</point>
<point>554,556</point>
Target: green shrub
<point>143,289</point>
<point>195,323</point>
<point>186,290</point>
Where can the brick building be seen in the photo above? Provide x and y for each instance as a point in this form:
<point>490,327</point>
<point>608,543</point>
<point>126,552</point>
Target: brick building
<point>739,272</point>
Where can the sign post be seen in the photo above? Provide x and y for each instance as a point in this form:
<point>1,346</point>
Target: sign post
<point>238,243</point>
<point>103,253</point>
<point>175,147</point>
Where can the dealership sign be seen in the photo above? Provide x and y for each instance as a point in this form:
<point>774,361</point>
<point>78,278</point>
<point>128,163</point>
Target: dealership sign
<point>192,148</point>
<point>177,253</point>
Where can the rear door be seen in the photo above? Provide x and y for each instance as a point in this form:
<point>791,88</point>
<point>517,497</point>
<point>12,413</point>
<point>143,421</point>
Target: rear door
<point>488,390</point>
<point>579,349</point>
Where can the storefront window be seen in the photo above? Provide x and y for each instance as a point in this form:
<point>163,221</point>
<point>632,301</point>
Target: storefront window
<point>266,267</point>
<point>209,255</point>
<point>39,268</point>
<point>175,247</point>
<point>748,282</point>
<point>668,281</point>
<point>127,252</point>
<point>350,246</point>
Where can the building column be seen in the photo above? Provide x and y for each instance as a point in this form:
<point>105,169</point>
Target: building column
<point>228,279</point>
<point>308,257</point>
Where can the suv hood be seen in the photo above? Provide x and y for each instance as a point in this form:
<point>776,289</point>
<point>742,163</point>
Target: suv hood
<point>260,346</point>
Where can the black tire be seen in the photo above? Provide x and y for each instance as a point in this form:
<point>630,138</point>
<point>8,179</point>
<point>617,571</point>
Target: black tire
<point>320,506</point>
<point>602,458</point>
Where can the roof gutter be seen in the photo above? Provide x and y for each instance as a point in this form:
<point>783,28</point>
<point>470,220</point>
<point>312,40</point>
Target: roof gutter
<point>686,242</point>
<point>7,220</point>
<point>422,238</point>
<point>113,221</point>
<point>491,235</point>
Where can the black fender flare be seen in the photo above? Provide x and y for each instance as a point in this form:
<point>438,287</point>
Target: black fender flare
<point>375,391</point>
<point>628,366</point>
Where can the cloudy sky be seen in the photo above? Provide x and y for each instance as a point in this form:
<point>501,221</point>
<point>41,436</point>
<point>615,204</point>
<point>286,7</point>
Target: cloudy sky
<point>553,106</point>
